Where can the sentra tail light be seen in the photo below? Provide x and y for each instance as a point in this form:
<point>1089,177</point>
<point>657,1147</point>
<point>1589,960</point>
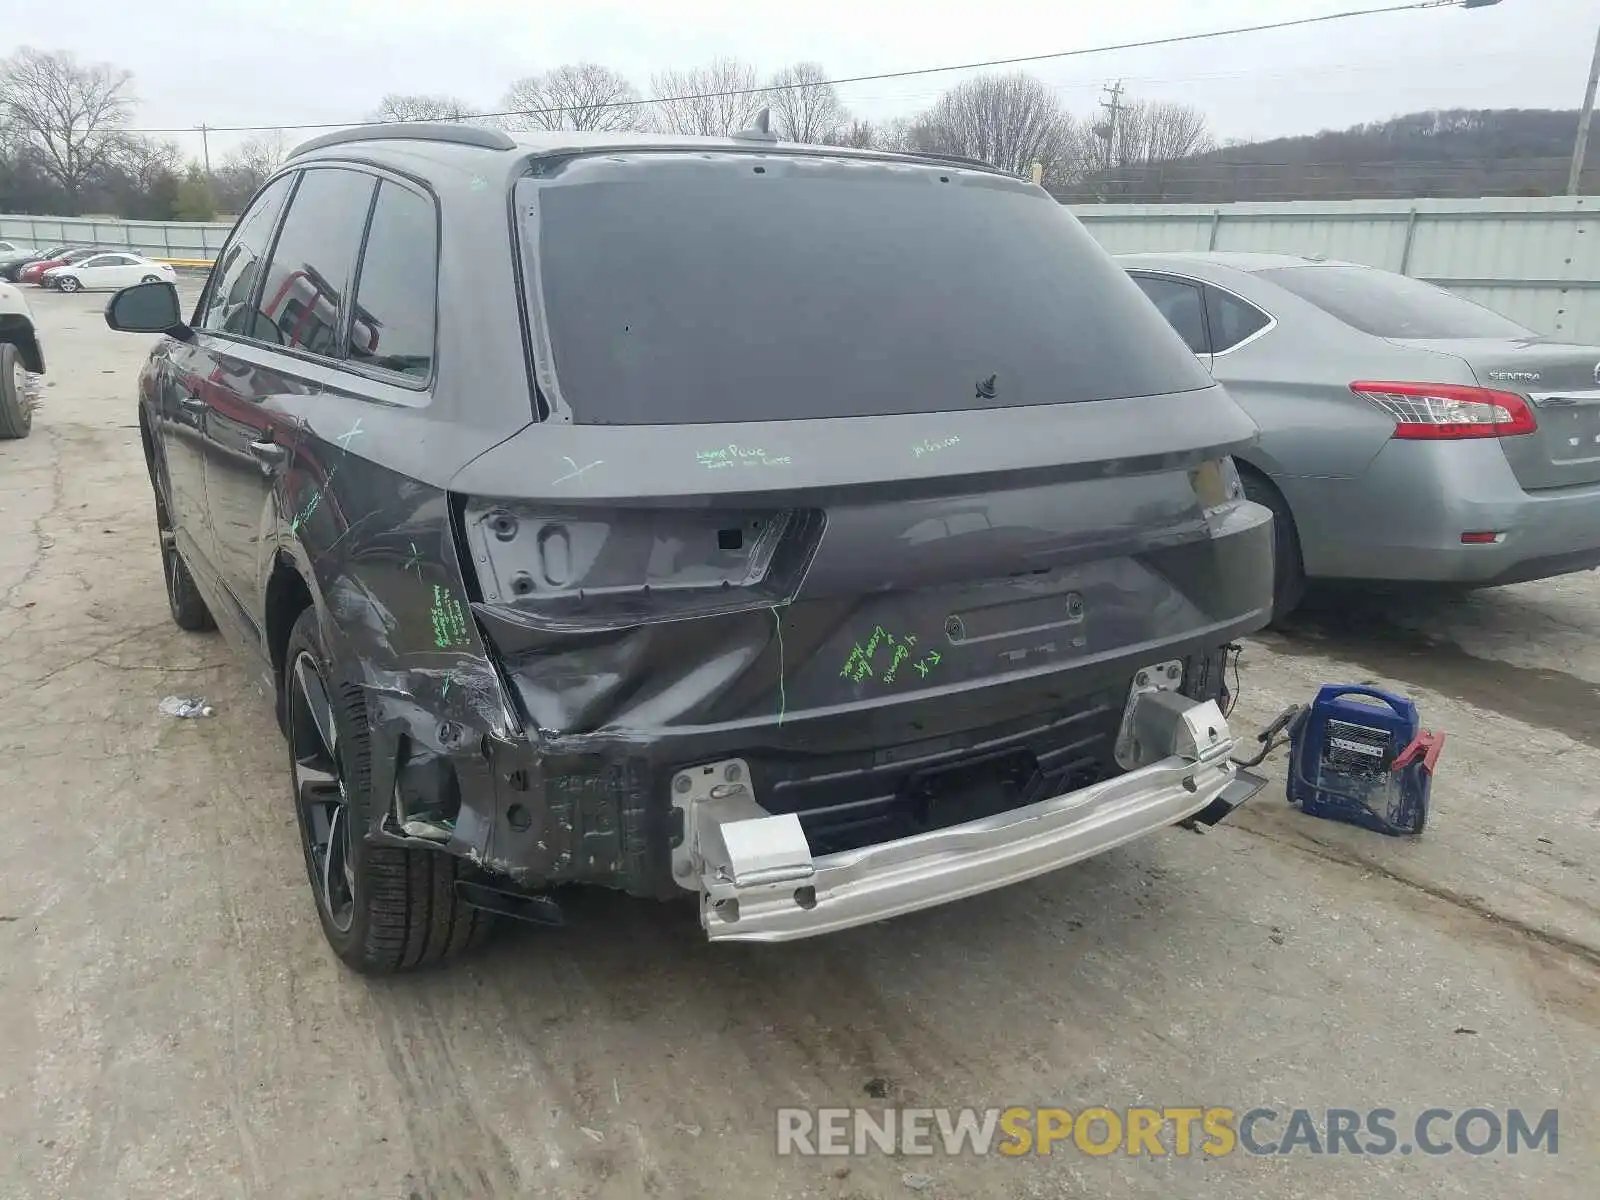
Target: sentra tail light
<point>590,569</point>
<point>1449,411</point>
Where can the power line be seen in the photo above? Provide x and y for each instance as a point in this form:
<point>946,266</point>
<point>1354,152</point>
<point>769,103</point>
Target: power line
<point>1479,163</point>
<point>765,89</point>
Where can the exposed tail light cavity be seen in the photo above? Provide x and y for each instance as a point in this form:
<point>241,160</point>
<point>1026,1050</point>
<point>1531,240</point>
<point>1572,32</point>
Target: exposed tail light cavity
<point>1449,411</point>
<point>570,570</point>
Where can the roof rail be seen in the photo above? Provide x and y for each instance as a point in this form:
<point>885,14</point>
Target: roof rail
<point>963,159</point>
<point>416,131</point>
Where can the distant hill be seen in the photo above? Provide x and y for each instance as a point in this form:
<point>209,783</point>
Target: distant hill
<point>1459,152</point>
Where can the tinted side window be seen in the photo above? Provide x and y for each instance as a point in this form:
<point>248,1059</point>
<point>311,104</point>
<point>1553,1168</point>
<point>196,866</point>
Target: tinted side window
<point>234,276</point>
<point>303,294</point>
<point>394,323</point>
<point>1180,304</point>
<point>1231,319</point>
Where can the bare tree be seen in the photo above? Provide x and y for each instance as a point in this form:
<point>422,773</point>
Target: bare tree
<point>1134,145</point>
<point>583,96</point>
<point>858,134</point>
<point>414,106</point>
<point>261,155</point>
<point>1010,121</point>
<point>145,160</point>
<point>713,100</point>
<point>1159,131</point>
<point>67,117</point>
<point>252,161</point>
<point>808,107</point>
<point>899,135</point>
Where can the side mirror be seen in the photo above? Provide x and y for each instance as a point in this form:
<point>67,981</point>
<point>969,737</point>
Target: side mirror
<point>147,308</point>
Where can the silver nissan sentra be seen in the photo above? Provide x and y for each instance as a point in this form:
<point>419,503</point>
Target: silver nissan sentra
<point>1407,434</point>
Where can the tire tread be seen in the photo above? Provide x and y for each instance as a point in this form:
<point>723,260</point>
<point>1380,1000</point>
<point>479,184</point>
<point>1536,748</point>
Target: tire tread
<point>188,606</point>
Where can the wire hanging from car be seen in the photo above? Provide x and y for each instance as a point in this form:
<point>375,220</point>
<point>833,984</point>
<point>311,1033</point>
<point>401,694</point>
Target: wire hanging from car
<point>1235,649</point>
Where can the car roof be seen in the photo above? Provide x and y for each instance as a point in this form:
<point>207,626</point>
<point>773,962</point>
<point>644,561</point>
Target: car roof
<point>1248,262</point>
<point>477,148</point>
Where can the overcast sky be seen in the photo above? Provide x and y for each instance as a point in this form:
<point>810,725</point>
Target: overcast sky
<point>287,61</point>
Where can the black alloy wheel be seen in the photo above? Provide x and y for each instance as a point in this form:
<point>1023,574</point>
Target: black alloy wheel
<point>320,792</point>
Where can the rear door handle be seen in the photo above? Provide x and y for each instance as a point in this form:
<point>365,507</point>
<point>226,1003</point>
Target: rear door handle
<point>268,454</point>
<point>193,404</point>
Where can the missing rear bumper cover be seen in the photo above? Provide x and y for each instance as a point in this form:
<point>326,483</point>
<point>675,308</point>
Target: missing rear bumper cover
<point>759,880</point>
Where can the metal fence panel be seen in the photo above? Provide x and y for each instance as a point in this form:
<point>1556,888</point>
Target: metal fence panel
<point>184,241</point>
<point>1536,259</point>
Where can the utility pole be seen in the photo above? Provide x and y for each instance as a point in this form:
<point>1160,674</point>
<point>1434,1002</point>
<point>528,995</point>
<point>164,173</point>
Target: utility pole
<point>1113,108</point>
<point>1107,132</point>
<point>205,142</point>
<point>1582,144</point>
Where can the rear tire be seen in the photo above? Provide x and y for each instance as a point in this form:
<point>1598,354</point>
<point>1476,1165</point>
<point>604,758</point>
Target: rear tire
<point>16,400</point>
<point>184,602</point>
<point>1288,569</point>
<point>384,909</point>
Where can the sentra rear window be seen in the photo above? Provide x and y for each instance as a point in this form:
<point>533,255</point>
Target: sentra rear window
<point>1392,306</point>
<point>682,288</point>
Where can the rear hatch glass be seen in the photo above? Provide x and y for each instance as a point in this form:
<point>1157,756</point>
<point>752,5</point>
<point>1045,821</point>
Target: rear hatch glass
<point>1387,305</point>
<point>680,288</point>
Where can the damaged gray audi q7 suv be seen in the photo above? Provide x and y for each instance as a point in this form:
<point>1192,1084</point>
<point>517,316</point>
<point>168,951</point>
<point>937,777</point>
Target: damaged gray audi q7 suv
<point>825,533</point>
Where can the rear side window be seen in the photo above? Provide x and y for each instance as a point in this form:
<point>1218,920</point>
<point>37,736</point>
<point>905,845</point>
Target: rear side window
<point>1183,307</point>
<point>303,293</point>
<point>1231,320</point>
<point>1392,306</point>
<point>394,323</point>
<point>233,278</point>
<point>691,288</point>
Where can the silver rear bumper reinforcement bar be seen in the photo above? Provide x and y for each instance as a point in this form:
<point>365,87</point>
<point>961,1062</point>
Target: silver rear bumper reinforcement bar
<point>759,881</point>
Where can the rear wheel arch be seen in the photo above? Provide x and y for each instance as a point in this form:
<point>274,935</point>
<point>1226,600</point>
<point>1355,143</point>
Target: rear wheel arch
<point>147,439</point>
<point>1246,467</point>
<point>18,330</point>
<point>1288,564</point>
<point>288,595</point>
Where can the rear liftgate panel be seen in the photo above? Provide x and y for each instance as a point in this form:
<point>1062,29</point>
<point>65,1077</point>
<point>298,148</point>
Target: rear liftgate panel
<point>881,663</point>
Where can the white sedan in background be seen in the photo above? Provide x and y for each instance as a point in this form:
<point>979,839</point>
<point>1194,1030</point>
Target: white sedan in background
<point>108,271</point>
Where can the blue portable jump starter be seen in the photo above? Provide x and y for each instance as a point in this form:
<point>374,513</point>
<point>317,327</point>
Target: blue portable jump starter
<point>1361,756</point>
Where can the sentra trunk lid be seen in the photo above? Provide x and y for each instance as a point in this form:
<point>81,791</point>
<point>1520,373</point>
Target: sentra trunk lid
<point>1561,380</point>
